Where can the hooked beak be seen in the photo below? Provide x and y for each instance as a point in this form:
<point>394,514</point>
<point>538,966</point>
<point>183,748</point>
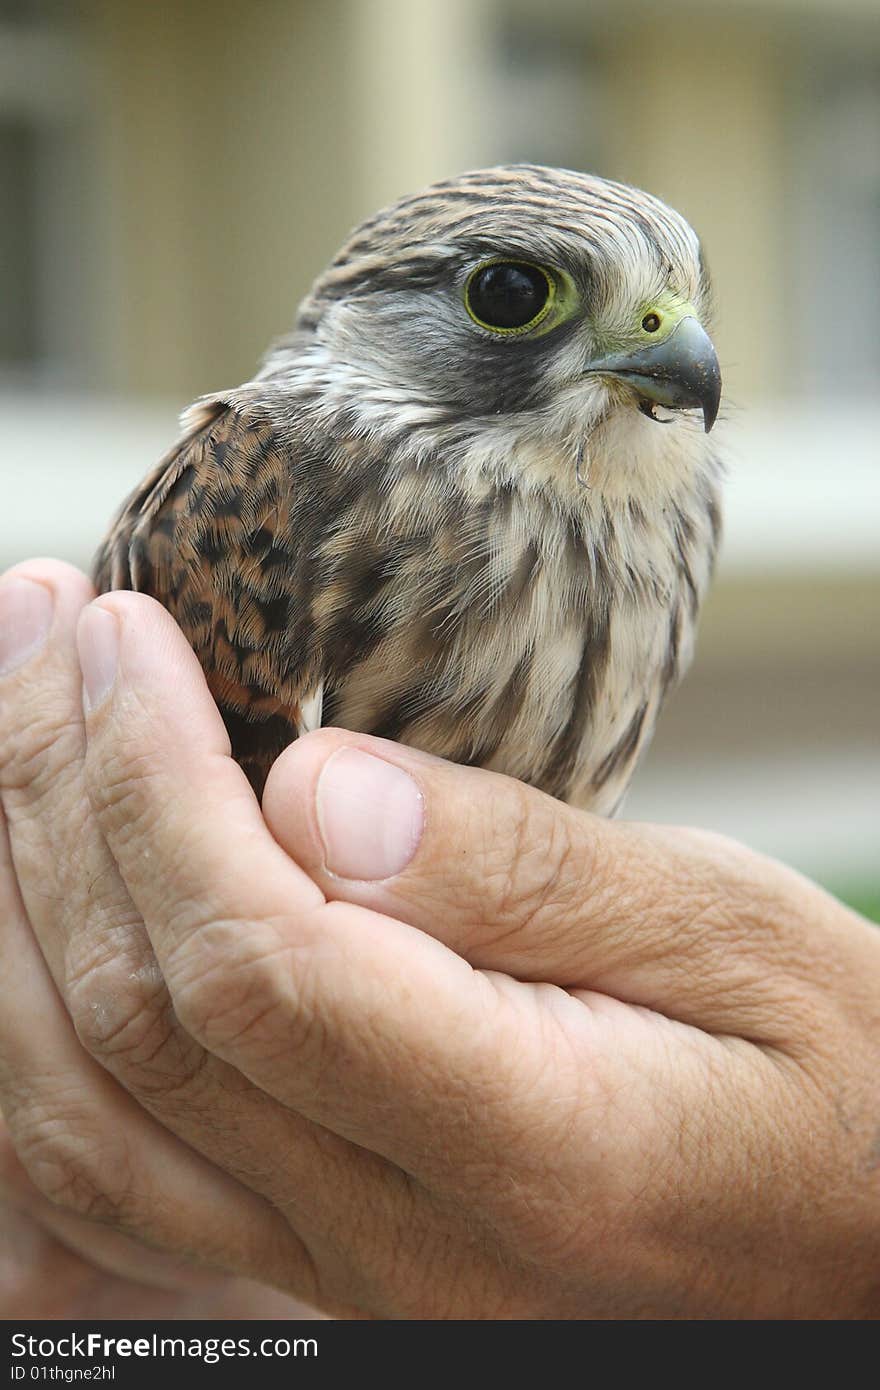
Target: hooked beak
<point>682,372</point>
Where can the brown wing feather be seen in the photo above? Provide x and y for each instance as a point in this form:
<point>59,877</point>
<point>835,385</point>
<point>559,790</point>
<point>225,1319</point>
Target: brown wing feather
<point>208,534</point>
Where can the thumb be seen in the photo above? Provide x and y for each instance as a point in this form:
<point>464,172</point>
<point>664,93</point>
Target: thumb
<point>687,923</point>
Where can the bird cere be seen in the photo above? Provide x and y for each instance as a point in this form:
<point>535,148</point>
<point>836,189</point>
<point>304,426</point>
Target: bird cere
<point>470,502</point>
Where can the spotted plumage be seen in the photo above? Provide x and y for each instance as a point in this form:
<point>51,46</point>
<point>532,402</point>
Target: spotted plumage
<point>420,527</point>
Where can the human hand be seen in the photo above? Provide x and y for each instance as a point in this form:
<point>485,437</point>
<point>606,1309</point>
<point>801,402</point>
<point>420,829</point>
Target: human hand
<point>56,1265</point>
<point>442,1047</point>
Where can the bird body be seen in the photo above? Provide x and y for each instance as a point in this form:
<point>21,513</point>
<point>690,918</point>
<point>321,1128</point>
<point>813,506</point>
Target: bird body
<point>435,519</point>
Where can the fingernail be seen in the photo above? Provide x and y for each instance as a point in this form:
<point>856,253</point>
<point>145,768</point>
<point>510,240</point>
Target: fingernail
<point>370,814</point>
<point>97,638</point>
<point>25,619</point>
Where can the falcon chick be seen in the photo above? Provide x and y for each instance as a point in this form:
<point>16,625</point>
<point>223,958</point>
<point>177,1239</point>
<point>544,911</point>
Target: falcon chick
<point>453,507</point>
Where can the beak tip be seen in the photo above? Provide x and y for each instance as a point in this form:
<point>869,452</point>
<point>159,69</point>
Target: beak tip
<point>711,407</point>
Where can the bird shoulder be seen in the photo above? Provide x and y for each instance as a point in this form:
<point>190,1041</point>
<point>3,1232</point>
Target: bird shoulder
<point>208,534</point>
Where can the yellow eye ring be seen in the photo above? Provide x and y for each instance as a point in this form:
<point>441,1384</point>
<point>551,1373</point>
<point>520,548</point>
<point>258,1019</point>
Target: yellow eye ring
<point>509,297</point>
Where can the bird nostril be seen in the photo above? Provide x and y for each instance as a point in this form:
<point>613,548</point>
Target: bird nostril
<point>651,322</point>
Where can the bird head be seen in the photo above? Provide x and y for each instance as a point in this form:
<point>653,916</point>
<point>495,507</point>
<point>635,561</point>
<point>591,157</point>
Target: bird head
<point>518,291</point>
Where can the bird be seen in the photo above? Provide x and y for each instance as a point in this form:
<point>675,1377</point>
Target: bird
<point>470,502</point>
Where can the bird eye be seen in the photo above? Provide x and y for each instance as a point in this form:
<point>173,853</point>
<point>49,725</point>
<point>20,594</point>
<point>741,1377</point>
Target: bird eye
<point>651,322</point>
<point>509,296</point>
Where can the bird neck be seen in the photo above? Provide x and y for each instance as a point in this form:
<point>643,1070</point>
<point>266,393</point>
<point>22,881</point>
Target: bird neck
<point>589,452</point>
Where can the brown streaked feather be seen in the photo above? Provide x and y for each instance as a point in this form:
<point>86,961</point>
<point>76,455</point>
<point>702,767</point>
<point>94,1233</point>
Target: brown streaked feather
<point>207,535</point>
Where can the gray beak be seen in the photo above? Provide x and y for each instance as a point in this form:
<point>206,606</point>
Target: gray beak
<point>682,372</point>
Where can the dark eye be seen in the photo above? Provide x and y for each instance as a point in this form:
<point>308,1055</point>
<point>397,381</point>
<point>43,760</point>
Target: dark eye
<point>508,296</point>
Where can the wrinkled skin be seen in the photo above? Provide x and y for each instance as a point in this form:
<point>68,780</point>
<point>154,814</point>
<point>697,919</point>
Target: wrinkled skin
<point>55,1264</point>
<point>525,1063</point>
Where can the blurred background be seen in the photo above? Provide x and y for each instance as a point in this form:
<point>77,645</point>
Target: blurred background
<point>172,176</point>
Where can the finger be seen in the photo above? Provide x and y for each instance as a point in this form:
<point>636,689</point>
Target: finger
<point>335,1011</point>
<point>103,964</point>
<point>39,1276</point>
<point>60,856</point>
<point>90,932</point>
<point>54,1265</point>
<point>44,1277</point>
<point>681,921</point>
<point>73,895</point>
<point>92,1152</point>
<point>101,1246</point>
<point>341,1201</point>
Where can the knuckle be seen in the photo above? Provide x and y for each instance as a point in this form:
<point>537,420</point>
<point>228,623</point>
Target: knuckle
<point>121,781</point>
<point>732,892</point>
<point>40,749</point>
<point>75,1167</point>
<point>129,787</point>
<point>235,987</point>
<point>742,923</point>
<point>537,866</point>
<point>124,1018</point>
<point>49,837</point>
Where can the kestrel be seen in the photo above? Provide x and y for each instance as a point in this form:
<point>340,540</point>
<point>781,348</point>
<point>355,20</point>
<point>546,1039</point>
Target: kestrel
<point>470,502</point>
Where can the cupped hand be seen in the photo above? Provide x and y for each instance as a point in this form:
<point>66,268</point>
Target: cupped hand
<point>412,1040</point>
<point>55,1265</point>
